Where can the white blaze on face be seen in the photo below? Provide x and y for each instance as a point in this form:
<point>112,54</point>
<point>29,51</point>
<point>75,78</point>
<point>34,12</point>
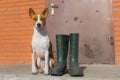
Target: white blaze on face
<point>38,21</point>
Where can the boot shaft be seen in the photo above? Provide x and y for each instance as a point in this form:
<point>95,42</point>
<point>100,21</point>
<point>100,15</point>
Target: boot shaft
<point>62,47</point>
<point>74,43</point>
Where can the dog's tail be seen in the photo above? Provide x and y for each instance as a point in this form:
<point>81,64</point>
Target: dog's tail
<point>51,55</point>
<point>51,51</point>
<point>52,62</point>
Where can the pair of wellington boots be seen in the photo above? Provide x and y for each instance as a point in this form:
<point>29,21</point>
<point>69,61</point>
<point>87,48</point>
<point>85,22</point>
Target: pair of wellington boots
<point>62,42</point>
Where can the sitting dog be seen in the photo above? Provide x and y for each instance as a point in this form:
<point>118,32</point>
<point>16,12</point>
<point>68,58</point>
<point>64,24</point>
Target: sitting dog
<point>42,56</point>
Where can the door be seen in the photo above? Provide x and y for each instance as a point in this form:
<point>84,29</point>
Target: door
<point>91,19</point>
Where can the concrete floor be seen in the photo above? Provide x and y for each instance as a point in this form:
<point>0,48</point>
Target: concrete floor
<point>91,72</point>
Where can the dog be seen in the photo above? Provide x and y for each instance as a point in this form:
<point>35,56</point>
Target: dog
<point>42,55</point>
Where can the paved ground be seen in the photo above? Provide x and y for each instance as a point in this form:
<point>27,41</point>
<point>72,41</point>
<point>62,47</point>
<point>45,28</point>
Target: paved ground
<point>91,72</point>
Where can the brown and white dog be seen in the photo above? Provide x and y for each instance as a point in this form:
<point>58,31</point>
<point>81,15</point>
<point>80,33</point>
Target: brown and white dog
<point>41,44</point>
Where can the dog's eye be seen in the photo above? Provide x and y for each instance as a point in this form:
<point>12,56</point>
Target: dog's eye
<point>42,19</point>
<point>35,19</point>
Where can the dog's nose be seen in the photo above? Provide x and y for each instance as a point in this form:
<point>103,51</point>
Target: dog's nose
<point>39,25</point>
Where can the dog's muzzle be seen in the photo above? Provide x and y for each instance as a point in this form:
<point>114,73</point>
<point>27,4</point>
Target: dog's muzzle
<point>38,25</point>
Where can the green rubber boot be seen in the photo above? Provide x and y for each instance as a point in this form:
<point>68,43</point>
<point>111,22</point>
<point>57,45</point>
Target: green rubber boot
<point>74,69</point>
<point>62,51</point>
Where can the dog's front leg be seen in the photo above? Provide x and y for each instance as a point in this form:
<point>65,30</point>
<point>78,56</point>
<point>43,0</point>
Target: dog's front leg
<point>46,63</point>
<point>34,68</point>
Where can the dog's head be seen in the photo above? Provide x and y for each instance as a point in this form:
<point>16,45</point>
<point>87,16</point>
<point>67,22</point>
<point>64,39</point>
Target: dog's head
<point>39,20</point>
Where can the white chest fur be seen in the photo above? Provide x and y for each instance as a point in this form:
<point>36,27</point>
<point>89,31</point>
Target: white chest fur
<point>40,42</point>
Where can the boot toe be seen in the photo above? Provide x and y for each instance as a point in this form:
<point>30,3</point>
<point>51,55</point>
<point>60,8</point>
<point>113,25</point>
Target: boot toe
<point>56,72</point>
<point>76,71</point>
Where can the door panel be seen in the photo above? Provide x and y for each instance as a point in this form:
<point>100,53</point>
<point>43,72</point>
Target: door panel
<point>92,20</point>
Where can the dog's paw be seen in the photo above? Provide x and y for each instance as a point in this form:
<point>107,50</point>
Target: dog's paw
<point>46,73</point>
<point>34,72</point>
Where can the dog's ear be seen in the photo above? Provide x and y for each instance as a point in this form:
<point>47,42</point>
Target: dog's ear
<point>45,12</point>
<point>31,12</point>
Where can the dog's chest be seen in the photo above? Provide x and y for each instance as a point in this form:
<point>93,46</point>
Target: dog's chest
<point>40,43</point>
